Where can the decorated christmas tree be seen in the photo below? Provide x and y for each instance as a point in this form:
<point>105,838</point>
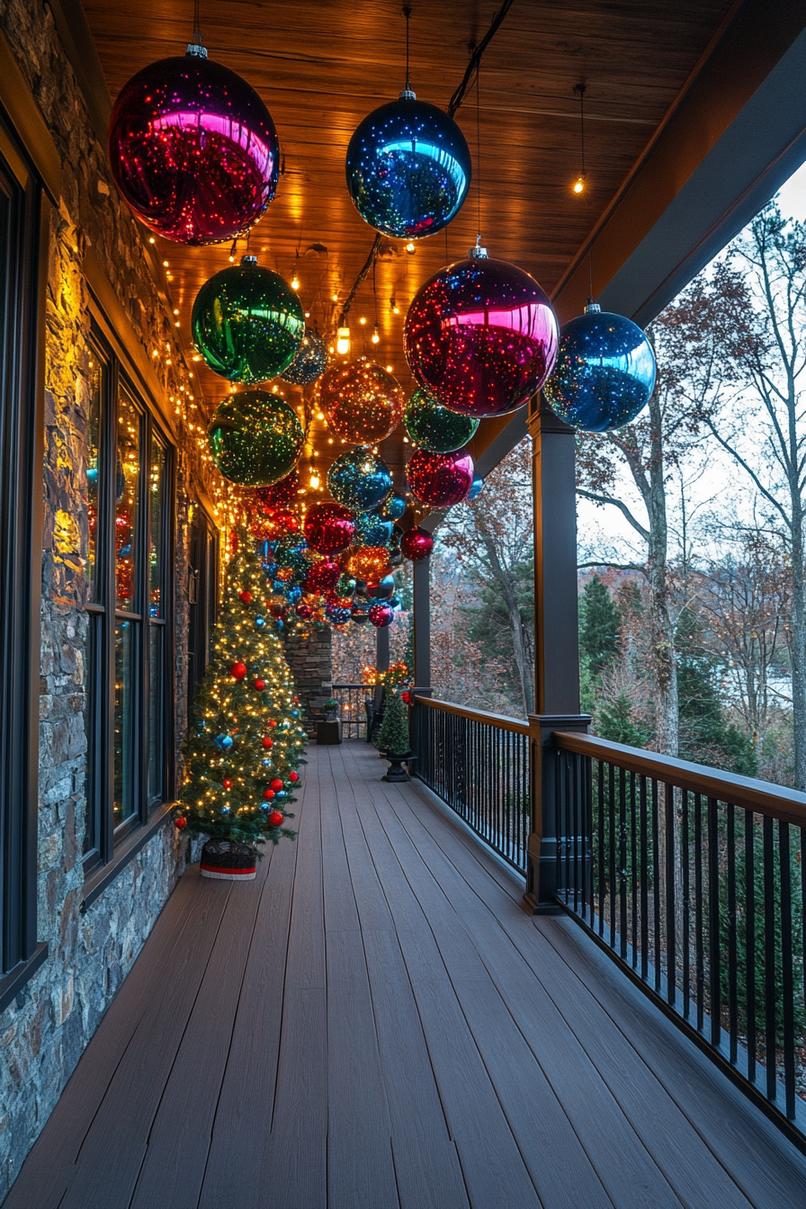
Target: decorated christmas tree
<point>245,742</point>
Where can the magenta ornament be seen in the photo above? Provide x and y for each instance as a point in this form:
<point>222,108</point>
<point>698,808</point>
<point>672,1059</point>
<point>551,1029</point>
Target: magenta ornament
<point>481,336</point>
<point>416,544</point>
<point>439,479</point>
<point>329,528</point>
<point>193,149</point>
<point>381,615</point>
<point>322,576</point>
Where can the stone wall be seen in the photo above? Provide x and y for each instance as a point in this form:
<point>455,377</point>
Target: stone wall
<point>43,1032</point>
<point>310,661</point>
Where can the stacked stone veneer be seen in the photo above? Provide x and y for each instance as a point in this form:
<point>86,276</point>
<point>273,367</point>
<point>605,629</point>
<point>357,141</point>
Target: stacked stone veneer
<point>310,661</point>
<point>43,1032</point>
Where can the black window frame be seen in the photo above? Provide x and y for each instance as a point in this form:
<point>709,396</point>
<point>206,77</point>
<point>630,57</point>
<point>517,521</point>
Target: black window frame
<point>112,845</point>
<point>24,215</point>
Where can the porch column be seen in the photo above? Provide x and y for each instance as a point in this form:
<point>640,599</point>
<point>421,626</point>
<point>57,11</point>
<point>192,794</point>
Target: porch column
<point>422,625</point>
<point>381,663</point>
<point>556,636</point>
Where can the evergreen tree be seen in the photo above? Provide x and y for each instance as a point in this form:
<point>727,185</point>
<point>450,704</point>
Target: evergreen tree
<point>617,722</point>
<point>706,734</point>
<point>245,741</point>
<point>600,622</point>
<point>394,734</point>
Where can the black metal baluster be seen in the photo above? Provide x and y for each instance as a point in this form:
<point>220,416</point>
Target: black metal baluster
<point>611,855</point>
<point>656,884</point>
<point>684,860</point>
<point>787,972</point>
<point>601,854</point>
<point>698,913</point>
<point>733,1019</point>
<point>633,873</point>
<point>750,941</point>
<point>588,837</point>
<point>671,926</point>
<point>714,989</point>
<point>768,862</point>
<point>644,880</point>
<point>572,789</point>
<point>622,861</point>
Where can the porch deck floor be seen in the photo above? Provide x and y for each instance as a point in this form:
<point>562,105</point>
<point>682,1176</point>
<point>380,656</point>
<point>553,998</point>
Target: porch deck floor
<point>375,1022</point>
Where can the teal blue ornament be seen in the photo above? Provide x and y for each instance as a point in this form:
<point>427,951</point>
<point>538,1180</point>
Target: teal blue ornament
<point>294,713</point>
<point>225,742</point>
<point>384,589</point>
<point>604,374</point>
<point>359,480</point>
<point>475,487</point>
<point>393,508</point>
<point>436,428</point>
<point>371,530</point>
<point>260,622</point>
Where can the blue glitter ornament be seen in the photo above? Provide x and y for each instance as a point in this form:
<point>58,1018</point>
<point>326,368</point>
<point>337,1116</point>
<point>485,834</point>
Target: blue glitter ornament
<point>476,488</point>
<point>337,615</point>
<point>309,363</point>
<point>281,793</point>
<point>605,371</point>
<point>359,479</point>
<point>393,509</point>
<point>294,713</point>
<point>266,761</point>
<point>225,742</point>
<point>260,622</point>
<point>294,594</point>
<point>384,589</point>
<point>408,168</point>
<point>371,530</point>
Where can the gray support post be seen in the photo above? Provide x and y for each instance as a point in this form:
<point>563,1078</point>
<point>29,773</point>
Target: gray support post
<point>422,625</point>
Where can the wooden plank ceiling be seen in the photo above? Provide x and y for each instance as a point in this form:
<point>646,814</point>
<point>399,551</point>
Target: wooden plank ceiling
<point>322,65</point>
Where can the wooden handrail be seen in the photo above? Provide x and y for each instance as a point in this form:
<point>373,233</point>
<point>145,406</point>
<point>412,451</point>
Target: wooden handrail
<point>775,801</point>
<point>500,721</point>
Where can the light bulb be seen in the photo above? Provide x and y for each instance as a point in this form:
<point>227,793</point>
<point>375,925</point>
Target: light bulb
<point>376,335</point>
<point>294,283</point>
<point>579,184</point>
<point>411,247</point>
<point>343,341</point>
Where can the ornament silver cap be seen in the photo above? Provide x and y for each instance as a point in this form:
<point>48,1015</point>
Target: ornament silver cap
<point>248,261</point>
<point>478,251</point>
<point>592,308</point>
<point>197,49</point>
<point>408,94</point>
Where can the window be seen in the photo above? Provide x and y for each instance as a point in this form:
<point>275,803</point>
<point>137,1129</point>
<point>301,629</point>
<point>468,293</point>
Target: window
<point>21,296</point>
<point>129,682</point>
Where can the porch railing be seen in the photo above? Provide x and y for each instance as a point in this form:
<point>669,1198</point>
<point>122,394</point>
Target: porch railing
<point>691,879</point>
<point>352,699</point>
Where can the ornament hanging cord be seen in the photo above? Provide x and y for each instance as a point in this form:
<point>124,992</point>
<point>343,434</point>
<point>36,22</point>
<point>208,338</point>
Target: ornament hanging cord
<point>197,35</point>
<point>453,105</point>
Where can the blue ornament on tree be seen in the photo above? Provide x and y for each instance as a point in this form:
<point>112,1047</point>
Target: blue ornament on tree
<point>384,589</point>
<point>408,168</point>
<point>225,742</point>
<point>260,623</point>
<point>359,480</point>
<point>604,374</point>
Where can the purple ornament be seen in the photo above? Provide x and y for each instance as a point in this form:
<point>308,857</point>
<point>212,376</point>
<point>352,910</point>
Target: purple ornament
<point>440,479</point>
<point>481,336</point>
<point>193,149</point>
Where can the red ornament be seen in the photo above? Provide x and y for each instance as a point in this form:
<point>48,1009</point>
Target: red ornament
<point>227,782</point>
<point>277,784</point>
<point>481,337</point>
<point>245,597</point>
<point>405,697</point>
<point>267,742</point>
<point>293,776</point>
<point>280,493</point>
<point>329,528</point>
<point>304,610</point>
<point>439,479</point>
<point>193,150</point>
<point>275,818</point>
<point>272,723</point>
<point>322,576</point>
<point>416,544</point>
<point>238,670</point>
<point>268,794</point>
<point>278,609</point>
<point>180,822</point>
<point>259,684</point>
<point>381,616</point>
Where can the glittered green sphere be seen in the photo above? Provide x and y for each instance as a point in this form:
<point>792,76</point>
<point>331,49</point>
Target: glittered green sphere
<point>247,323</point>
<point>255,438</point>
<point>435,428</point>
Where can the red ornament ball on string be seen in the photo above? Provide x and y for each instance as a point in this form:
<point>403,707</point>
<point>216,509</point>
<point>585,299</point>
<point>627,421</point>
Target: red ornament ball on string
<point>267,742</point>
<point>279,494</point>
<point>180,822</point>
<point>238,670</point>
<point>304,610</point>
<point>275,818</point>
<point>259,684</point>
<point>363,402</point>
<point>277,784</point>
<point>193,149</point>
<point>439,479</point>
<point>268,794</point>
<point>381,616</point>
<point>245,597</point>
<point>405,697</point>
<point>293,777</point>
<point>227,782</point>
<point>329,528</point>
<point>416,544</point>
<point>481,336</point>
<point>322,576</point>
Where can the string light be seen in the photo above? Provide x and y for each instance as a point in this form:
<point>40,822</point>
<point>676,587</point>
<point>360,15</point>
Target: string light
<point>376,335</point>
<point>580,183</point>
<point>343,341</point>
<point>411,247</point>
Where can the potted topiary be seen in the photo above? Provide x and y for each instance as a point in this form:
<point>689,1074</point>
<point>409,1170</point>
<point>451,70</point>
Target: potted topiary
<point>393,739</point>
<point>331,709</point>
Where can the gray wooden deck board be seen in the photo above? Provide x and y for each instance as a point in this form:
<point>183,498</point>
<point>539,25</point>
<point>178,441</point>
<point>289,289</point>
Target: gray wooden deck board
<point>374,1022</point>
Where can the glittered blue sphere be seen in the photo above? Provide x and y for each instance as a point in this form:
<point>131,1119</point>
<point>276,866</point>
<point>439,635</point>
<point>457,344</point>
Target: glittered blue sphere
<point>476,488</point>
<point>309,363</point>
<point>384,589</point>
<point>225,742</point>
<point>338,615</point>
<point>605,371</point>
<point>260,623</point>
<point>393,508</point>
<point>408,168</point>
<point>371,530</point>
<point>359,479</point>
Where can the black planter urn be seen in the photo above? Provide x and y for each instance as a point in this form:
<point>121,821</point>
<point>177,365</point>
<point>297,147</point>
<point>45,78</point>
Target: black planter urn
<point>396,771</point>
<point>229,860</point>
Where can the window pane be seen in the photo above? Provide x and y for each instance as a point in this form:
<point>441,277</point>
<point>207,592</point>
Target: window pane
<point>156,712</point>
<point>96,387</point>
<point>94,740</point>
<point>156,553</point>
<point>125,721</point>
<point>127,498</point>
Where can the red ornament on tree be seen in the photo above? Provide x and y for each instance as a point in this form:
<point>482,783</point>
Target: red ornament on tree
<point>439,479</point>
<point>268,794</point>
<point>267,742</point>
<point>227,782</point>
<point>238,670</point>
<point>259,684</point>
<point>245,597</point>
<point>277,784</point>
<point>180,822</point>
<point>293,776</point>
<point>304,610</point>
<point>193,149</point>
<point>272,723</point>
<point>405,697</point>
<point>416,544</point>
<point>276,817</point>
<point>329,528</point>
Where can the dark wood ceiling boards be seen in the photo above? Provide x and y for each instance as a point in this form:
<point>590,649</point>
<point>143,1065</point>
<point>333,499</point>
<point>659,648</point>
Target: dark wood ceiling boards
<point>321,65</point>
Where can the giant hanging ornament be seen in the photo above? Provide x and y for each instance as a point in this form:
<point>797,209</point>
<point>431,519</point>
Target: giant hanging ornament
<point>310,361</point>
<point>337,613</point>
<point>408,168</point>
<point>381,616</point>
<point>370,530</point>
<point>284,491</point>
<point>440,479</point>
<point>384,589</point>
<point>247,322</point>
<point>363,402</point>
<point>329,528</point>
<point>417,544</point>
<point>255,438</point>
<point>193,149</point>
<point>322,576</point>
<point>393,508</point>
<point>370,563</point>
<point>359,479</point>
<point>605,371</point>
<point>436,428</point>
<point>480,336</point>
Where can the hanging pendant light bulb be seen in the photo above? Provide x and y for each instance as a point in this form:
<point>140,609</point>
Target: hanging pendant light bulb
<point>343,340</point>
<point>579,185</point>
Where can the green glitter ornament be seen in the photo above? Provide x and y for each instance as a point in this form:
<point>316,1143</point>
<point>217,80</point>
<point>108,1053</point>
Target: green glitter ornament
<point>255,438</point>
<point>435,428</point>
<point>247,323</point>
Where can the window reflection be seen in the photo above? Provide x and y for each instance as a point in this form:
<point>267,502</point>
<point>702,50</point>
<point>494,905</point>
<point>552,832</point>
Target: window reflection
<point>127,496</point>
<point>123,806</point>
<point>156,554</point>
<point>97,376</point>
<point>156,716</point>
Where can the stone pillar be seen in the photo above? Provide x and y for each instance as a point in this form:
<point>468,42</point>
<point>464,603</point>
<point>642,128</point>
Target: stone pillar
<point>310,661</point>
